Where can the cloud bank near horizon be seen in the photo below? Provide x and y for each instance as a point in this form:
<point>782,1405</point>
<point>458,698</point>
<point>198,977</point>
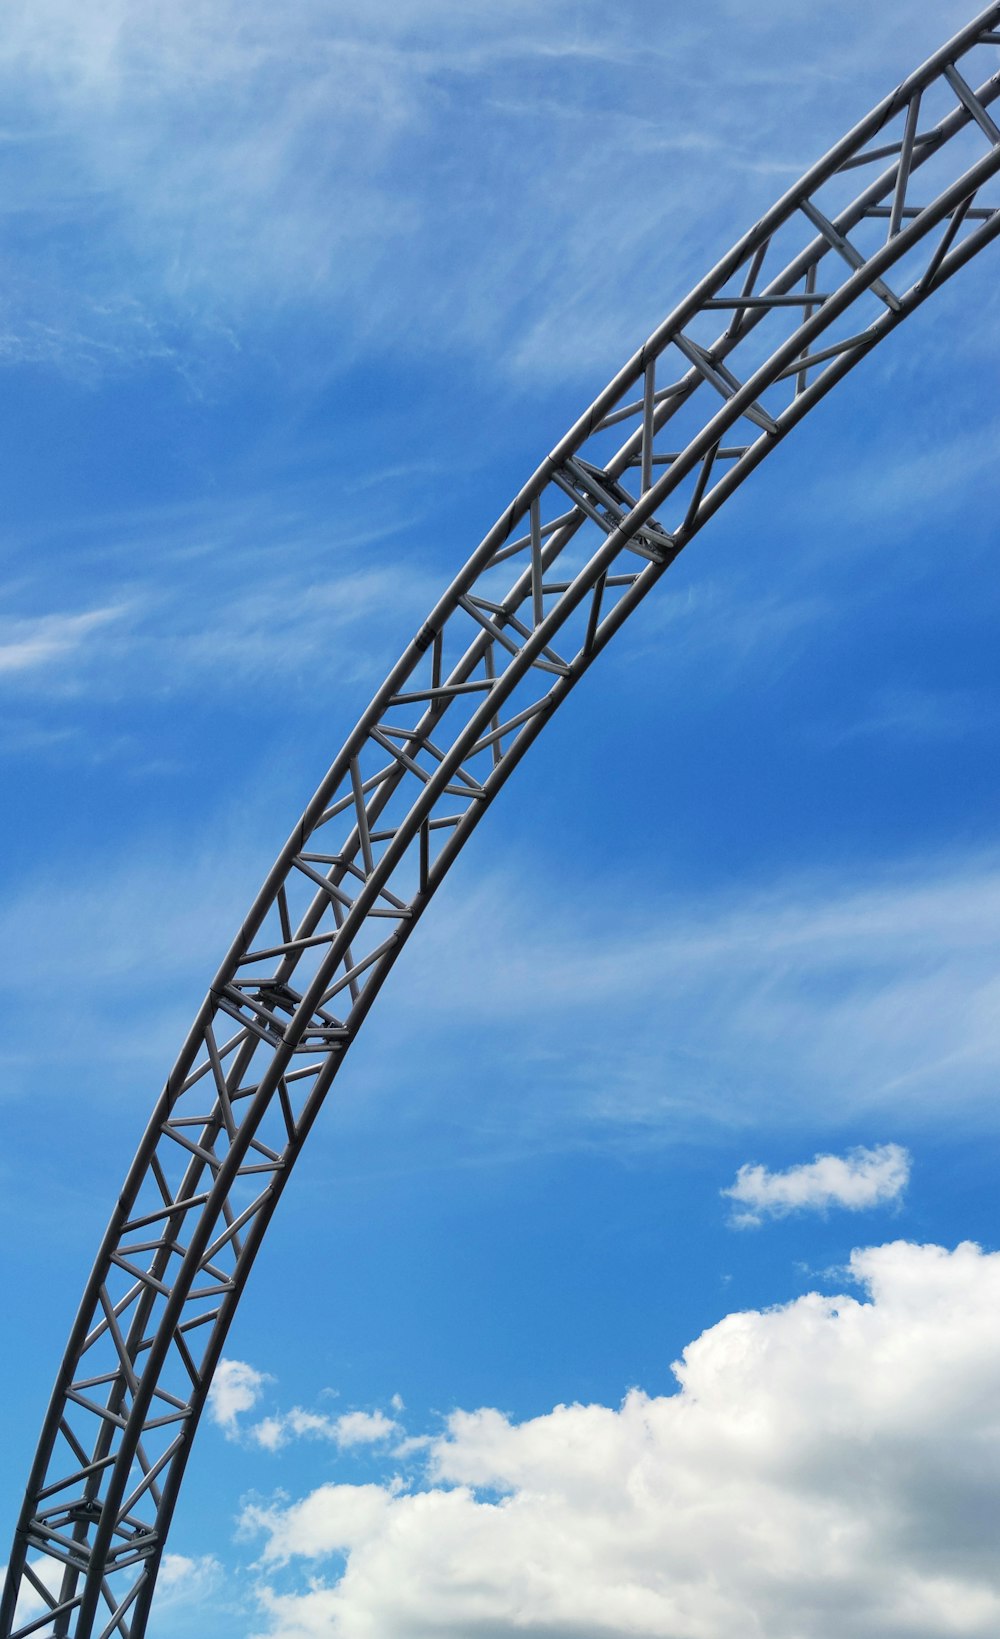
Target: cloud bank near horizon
<point>826,1467</point>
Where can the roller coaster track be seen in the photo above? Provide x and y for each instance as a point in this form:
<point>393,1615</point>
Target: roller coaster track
<point>874,229</point>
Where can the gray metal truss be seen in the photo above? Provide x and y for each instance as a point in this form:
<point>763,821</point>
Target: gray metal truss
<point>897,207</point>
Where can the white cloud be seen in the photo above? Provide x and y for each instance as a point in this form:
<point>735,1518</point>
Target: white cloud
<point>236,1388</point>
<point>183,1580</point>
<point>829,1468</point>
<point>30,1603</point>
<point>302,628</point>
<point>330,1519</point>
<point>881,994</point>
<point>225,590</point>
<point>862,1178</point>
<point>27,643</point>
<point>364,1428</point>
<point>831,997</point>
<point>352,1428</point>
<point>225,160</point>
<point>923,715</point>
<point>145,975</point>
<point>836,996</point>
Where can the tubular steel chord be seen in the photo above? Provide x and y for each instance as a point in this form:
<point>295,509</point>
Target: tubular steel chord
<point>878,225</point>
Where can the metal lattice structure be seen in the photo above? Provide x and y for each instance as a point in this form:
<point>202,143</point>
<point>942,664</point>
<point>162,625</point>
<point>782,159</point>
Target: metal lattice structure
<point>873,230</point>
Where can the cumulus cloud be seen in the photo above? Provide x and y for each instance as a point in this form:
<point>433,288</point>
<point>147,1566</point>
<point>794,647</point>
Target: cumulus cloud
<point>352,1428</point>
<point>30,1603</point>
<point>364,1427</point>
<point>862,1178</point>
<point>795,1483</point>
<point>183,1580</point>
<point>236,1388</point>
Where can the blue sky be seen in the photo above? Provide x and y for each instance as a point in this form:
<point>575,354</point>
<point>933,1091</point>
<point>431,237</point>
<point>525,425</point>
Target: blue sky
<point>292,306</point>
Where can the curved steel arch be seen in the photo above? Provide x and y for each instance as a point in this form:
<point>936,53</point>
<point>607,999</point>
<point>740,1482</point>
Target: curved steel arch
<point>802,298</point>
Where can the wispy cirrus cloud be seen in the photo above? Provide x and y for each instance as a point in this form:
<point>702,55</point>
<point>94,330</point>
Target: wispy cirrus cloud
<point>814,998</point>
<point>228,166</point>
<point>219,593</point>
<point>923,715</point>
<point>861,1179</point>
<point>49,642</point>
